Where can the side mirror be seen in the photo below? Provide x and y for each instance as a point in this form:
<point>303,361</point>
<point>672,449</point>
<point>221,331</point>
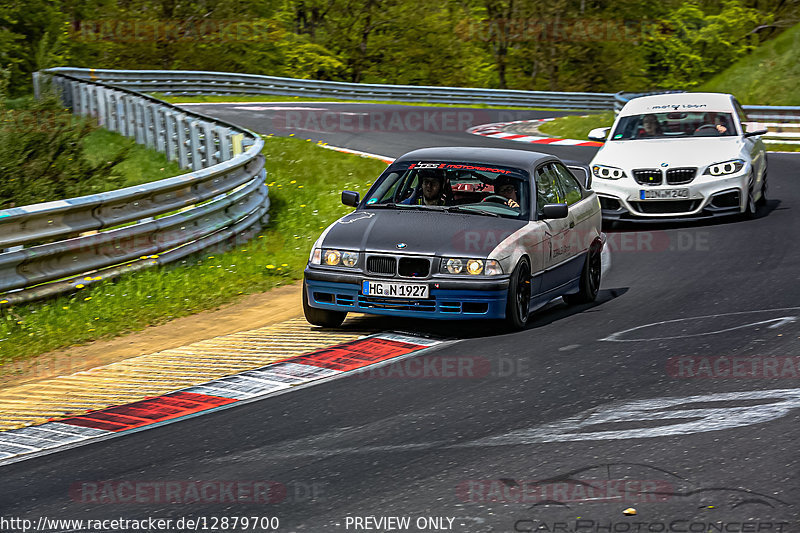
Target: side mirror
<point>599,134</point>
<point>554,211</point>
<point>350,198</point>
<point>755,133</point>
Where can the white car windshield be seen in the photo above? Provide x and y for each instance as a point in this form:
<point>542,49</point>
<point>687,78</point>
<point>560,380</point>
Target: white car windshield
<point>674,124</point>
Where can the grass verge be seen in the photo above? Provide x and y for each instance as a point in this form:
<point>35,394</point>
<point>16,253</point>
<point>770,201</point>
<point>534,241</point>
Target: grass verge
<point>576,127</point>
<point>770,75</point>
<point>305,183</point>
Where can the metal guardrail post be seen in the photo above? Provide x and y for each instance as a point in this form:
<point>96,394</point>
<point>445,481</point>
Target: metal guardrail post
<point>183,141</point>
<point>149,125</point>
<point>224,134</point>
<point>194,145</point>
<point>209,144</point>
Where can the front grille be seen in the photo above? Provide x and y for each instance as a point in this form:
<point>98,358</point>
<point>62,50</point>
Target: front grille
<point>381,265</point>
<point>414,267</point>
<point>398,304</point>
<point>661,207</point>
<point>677,176</point>
<point>647,176</point>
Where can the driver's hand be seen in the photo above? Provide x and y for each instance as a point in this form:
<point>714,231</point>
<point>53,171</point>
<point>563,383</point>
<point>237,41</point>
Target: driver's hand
<point>512,203</point>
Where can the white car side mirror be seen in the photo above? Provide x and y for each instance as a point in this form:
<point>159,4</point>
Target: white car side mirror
<point>599,134</point>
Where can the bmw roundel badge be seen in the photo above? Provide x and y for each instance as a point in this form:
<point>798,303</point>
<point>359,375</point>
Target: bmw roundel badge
<point>665,165</point>
<point>401,245</point>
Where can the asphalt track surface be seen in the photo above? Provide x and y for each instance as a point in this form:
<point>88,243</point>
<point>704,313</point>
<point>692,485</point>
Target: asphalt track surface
<point>408,445</point>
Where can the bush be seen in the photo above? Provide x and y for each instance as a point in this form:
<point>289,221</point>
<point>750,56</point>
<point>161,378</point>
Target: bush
<point>42,155</point>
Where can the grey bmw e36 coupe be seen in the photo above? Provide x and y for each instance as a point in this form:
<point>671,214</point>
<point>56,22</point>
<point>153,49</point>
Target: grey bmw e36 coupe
<point>459,233</point>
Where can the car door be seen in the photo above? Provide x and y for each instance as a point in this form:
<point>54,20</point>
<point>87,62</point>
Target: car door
<point>582,223</point>
<point>556,247</point>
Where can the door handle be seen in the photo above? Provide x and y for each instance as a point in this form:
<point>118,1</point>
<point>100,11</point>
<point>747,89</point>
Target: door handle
<point>571,224</point>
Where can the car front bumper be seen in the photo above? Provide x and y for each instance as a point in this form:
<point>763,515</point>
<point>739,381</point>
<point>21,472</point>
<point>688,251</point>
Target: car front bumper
<point>709,197</point>
<point>448,299</point>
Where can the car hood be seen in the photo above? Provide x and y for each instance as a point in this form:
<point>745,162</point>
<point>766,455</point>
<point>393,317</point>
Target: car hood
<point>689,152</point>
<point>410,231</point>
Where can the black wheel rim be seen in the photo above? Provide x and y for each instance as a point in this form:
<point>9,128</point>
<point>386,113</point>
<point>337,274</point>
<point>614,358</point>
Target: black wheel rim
<point>595,269</point>
<point>523,293</point>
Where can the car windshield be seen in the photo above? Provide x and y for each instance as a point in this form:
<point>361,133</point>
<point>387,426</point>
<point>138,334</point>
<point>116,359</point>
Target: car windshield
<point>674,124</point>
<point>452,186</point>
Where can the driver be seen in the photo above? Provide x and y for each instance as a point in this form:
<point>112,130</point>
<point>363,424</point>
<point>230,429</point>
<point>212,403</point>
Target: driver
<point>506,188</point>
<point>432,183</point>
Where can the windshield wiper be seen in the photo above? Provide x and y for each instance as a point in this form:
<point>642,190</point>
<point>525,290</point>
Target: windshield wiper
<point>474,211</point>
<point>392,205</point>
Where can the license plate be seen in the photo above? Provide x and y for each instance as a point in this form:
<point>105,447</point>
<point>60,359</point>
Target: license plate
<point>663,194</point>
<point>389,289</point>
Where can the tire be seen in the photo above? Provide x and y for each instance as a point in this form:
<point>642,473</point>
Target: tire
<point>590,279</point>
<point>762,201</point>
<point>518,302</point>
<point>750,207</point>
<point>321,317</point>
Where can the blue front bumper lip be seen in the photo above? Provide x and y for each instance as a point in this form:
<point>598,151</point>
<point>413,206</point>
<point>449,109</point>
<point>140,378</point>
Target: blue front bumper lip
<point>446,304</point>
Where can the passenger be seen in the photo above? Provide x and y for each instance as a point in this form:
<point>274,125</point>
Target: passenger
<point>650,127</point>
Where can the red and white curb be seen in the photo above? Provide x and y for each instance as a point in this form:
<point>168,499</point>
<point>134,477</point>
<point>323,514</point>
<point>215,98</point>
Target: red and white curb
<point>276,378</point>
<point>495,130</point>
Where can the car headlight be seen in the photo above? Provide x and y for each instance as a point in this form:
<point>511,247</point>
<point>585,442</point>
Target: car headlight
<point>725,168</point>
<point>607,173</point>
<point>334,258</point>
<point>474,267</point>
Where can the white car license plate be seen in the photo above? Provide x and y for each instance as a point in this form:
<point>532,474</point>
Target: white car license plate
<point>663,194</point>
<point>394,290</point>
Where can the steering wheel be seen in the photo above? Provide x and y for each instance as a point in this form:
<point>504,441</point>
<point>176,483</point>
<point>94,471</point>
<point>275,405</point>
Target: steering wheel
<point>706,128</point>
<point>496,198</point>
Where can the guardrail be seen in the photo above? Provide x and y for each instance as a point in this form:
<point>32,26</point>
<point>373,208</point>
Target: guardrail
<point>783,122</point>
<point>103,235</point>
<point>187,82</point>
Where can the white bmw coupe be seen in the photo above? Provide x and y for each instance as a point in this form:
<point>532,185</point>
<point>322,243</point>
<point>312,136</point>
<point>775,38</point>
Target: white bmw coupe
<point>680,155</point>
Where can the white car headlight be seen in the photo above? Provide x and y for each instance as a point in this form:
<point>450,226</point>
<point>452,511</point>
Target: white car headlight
<point>607,173</point>
<point>725,168</point>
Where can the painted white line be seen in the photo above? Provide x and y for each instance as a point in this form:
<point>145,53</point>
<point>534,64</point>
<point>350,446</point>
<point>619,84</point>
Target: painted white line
<point>670,410</point>
<point>255,103</point>
<point>777,322</point>
<point>386,159</point>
